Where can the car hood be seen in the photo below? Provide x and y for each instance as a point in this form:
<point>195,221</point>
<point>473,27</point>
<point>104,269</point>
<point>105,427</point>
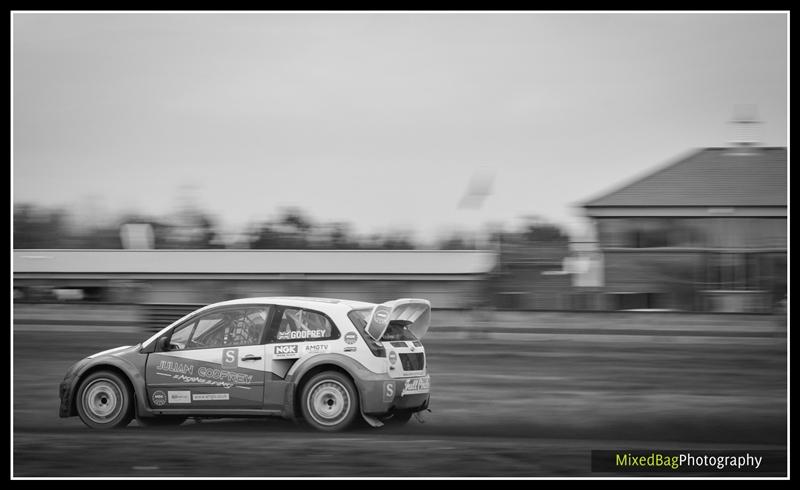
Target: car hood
<point>114,351</point>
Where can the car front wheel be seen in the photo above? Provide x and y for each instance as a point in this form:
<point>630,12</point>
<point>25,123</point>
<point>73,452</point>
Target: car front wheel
<point>104,401</point>
<point>329,401</point>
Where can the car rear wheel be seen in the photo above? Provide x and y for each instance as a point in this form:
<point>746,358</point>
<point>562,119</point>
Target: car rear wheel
<point>161,421</point>
<point>104,401</point>
<point>329,401</point>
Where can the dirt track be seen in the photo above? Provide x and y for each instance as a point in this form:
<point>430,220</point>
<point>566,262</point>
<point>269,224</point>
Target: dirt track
<point>510,407</point>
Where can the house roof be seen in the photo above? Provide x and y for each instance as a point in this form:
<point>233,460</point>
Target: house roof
<point>709,177</point>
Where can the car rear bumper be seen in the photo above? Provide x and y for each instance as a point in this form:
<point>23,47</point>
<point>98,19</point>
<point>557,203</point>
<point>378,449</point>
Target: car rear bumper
<point>385,396</point>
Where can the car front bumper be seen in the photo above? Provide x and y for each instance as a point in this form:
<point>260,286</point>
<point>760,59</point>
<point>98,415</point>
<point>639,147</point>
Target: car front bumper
<point>66,390</point>
<point>65,394</point>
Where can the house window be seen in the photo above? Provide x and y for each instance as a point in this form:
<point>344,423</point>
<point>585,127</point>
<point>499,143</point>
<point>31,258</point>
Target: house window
<point>733,271</point>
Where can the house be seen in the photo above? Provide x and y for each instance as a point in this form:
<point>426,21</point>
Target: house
<point>706,232</point>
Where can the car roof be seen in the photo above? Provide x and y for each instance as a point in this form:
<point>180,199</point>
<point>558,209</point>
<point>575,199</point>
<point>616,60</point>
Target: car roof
<point>323,304</point>
<point>326,305</point>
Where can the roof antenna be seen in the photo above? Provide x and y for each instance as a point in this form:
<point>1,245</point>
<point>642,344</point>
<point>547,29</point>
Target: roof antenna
<point>745,119</point>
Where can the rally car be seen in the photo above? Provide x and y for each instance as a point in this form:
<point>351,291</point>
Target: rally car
<point>323,361</point>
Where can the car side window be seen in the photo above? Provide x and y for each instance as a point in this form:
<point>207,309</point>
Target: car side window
<point>246,326</point>
<point>209,331</point>
<point>180,336</point>
<point>222,328</point>
<point>299,324</point>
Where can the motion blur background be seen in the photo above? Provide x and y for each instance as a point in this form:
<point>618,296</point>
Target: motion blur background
<point>594,204</point>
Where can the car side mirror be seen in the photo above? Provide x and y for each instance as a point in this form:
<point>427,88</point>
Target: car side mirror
<point>163,344</point>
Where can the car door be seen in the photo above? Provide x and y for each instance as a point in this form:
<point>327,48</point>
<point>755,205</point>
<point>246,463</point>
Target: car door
<point>213,361</point>
<point>296,333</point>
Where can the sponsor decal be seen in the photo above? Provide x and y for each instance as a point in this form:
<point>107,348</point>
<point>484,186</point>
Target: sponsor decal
<point>392,357</point>
<point>381,315</point>
<point>315,348</point>
<point>350,338</point>
<point>203,381</point>
<point>388,391</point>
<point>417,385</point>
<point>230,358</point>
<point>286,351</point>
<point>225,376</point>
<point>175,367</point>
<point>179,397</point>
<point>159,398</point>
<point>303,334</point>
<point>202,397</point>
<point>349,349</point>
<point>378,320</point>
<point>183,372</point>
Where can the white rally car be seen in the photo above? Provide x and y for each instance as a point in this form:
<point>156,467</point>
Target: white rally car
<point>324,361</point>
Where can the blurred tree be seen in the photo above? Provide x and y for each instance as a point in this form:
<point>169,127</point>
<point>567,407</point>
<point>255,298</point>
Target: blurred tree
<point>106,237</point>
<point>36,227</point>
<point>341,237</point>
<point>396,241</point>
<point>208,237</point>
<point>190,228</point>
<point>294,218</point>
<point>457,242</point>
<point>536,230</point>
<point>266,237</point>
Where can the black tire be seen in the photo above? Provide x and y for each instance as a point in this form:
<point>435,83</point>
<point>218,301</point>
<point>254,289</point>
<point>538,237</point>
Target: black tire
<point>329,401</point>
<point>397,419</point>
<point>104,401</point>
<point>161,421</point>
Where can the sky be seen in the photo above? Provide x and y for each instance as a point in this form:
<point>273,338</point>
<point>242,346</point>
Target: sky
<point>382,120</point>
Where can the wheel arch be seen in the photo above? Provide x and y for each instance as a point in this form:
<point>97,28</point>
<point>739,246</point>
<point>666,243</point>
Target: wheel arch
<point>312,371</point>
<point>103,366</point>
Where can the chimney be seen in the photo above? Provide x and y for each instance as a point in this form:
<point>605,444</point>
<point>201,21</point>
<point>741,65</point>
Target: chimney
<point>745,124</point>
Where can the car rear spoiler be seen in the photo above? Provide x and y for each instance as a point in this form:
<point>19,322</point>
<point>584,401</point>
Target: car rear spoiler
<point>415,311</point>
